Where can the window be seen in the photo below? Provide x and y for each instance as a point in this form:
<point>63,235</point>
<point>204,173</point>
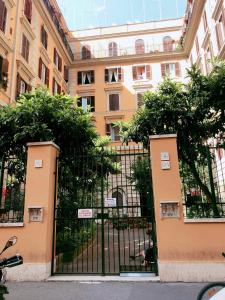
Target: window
<point>197,45</point>
<point>87,101</point>
<point>113,132</point>
<point>208,58</point>
<point>4,65</point>
<point>113,74</point>
<point>57,60</point>
<point>220,31</point>
<point>140,99</point>
<point>25,48</point>
<point>3,15</point>
<point>56,88</point>
<point>22,86</point>
<point>113,49</point>
<point>114,102</point>
<point>167,44</point>
<point>28,9</point>
<point>86,52</point>
<point>205,22</point>
<point>142,72</point>
<point>171,69</point>
<point>66,73</point>
<point>139,46</point>
<point>44,37</point>
<point>43,73</point>
<point>85,77</point>
<point>119,198</point>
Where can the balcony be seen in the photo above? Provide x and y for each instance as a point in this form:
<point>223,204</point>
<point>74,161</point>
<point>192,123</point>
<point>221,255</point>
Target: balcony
<point>152,49</point>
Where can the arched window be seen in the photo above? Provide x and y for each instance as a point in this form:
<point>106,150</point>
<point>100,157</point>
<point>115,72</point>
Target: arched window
<point>139,46</point>
<point>119,197</point>
<point>113,50</point>
<point>86,52</point>
<point>167,44</point>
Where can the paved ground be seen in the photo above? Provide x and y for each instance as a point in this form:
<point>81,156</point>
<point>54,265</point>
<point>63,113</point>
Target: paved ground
<point>102,291</point>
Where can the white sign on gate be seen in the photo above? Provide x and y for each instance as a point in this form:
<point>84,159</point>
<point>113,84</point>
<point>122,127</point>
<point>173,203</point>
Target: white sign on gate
<point>110,202</point>
<point>85,213</point>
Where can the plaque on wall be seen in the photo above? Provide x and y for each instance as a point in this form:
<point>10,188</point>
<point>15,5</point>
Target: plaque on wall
<point>169,209</point>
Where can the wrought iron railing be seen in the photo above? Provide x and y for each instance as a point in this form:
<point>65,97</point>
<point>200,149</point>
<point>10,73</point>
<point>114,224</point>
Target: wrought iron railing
<point>154,48</point>
<point>203,185</point>
<point>12,190</point>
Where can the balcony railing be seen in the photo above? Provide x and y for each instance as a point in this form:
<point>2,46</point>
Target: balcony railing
<point>61,32</point>
<point>153,48</point>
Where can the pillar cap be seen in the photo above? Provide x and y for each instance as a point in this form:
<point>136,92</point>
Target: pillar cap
<point>162,136</point>
<point>49,143</point>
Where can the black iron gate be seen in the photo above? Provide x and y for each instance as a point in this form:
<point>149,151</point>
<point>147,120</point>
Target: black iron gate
<point>104,216</point>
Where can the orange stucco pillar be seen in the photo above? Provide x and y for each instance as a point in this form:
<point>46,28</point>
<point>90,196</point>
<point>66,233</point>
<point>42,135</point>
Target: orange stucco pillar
<point>188,249</point>
<point>35,237</point>
<point>166,188</point>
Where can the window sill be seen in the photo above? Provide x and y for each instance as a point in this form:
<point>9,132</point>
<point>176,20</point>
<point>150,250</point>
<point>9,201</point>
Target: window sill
<point>44,55</point>
<point>19,224</point>
<point>205,220</point>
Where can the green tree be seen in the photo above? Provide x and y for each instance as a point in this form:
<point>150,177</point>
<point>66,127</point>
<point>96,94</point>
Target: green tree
<point>194,111</point>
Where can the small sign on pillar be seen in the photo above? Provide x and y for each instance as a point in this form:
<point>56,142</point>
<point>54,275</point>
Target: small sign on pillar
<point>169,209</point>
<point>35,213</point>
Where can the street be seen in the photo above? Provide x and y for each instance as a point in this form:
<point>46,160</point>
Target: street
<point>102,290</point>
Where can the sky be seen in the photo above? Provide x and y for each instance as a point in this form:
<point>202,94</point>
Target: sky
<point>83,14</point>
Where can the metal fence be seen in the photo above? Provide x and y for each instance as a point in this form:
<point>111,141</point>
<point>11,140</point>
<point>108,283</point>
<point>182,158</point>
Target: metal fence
<point>12,190</point>
<point>203,185</point>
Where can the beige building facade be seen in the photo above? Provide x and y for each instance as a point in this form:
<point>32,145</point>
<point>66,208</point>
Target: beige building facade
<point>109,68</point>
<point>33,48</point>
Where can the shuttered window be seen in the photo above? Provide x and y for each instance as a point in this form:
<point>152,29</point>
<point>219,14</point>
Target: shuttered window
<point>112,131</point>
<point>114,75</point>
<point>4,66</point>
<point>171,70</point>
<point>87,101</point>
<point>28,9</point>
<point>21,86</point>
<point>142,72</point>
<point>56,88</point>
<point>205,22</point>
<point>197,45</point>
<point>57,60</point>
<point>44,37</point>
<point>167,44</point>
<point>43,72</point>
<point>25,48</point>
<point>85,77</point>
<point>114,102</point>
<point>66,74</point>
<point>3,15</point>
<point>139,46</point>
<point>86,52</point>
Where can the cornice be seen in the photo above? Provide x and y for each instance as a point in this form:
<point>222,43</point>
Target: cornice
<point>217,9</point>
<point>25,69</point>
<point>142,85</point>
<point>84,92</point>
<point>113,88</point>
<point>148,57</point>
<point>27,27</point>
<point>44,55</point>
<point>125,34</point>
<point>192,28</point>
<point>4,44</point>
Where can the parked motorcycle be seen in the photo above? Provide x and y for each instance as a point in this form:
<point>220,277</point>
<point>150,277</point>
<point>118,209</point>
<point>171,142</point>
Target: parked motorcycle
<point>8,262</point>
